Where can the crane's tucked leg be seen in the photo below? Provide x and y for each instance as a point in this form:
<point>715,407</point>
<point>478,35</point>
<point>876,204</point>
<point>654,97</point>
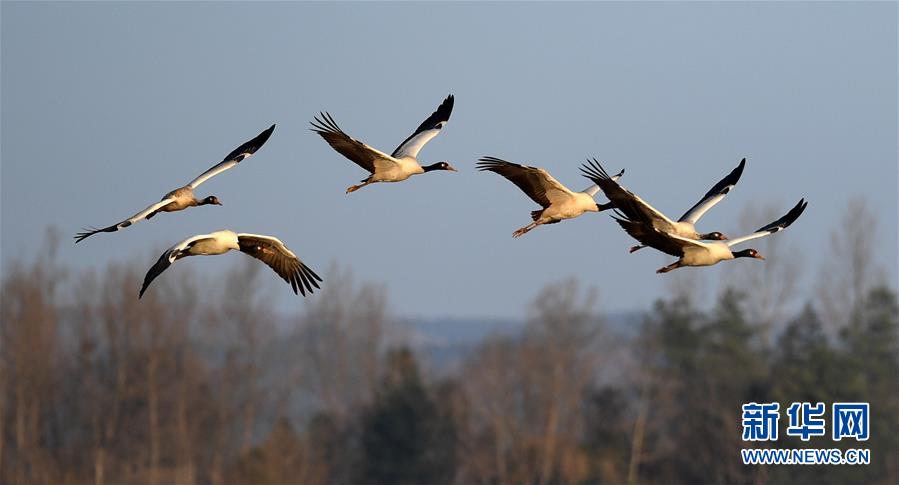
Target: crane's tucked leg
<point>523,230</point>
<point>357,187</point>
<point>674,265</point>
<point>636,248</point>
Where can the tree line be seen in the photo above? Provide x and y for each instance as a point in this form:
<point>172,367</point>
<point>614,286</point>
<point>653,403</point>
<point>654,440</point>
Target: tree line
<point>184,387</point>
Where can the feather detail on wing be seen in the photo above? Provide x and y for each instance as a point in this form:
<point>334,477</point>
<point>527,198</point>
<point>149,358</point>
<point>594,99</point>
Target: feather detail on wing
<point>427,130</point>
<point>360,153</point>
<point>161,265</point>
<point>778,225</point>
<point>535,182</point>
<point>643,232</point>
<point>236,156</point>
<point>593,189</point>
<point>714,195</point>
<point>624,200</point>
<point>90,231</point>
<point>171,255</point>
<point>275,254</point>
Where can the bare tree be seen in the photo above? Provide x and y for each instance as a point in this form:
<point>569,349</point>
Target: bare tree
<point>111,389</point>
<point>30,354</point>
<point>239,322</point>
<point>851,270</point>
<point>247,311</point>
<point>130,356</point>
<point>563,331</point>
<point>492,426</point>
<point>342,334</point>
<point>770,288</point>
<point>525,394</point>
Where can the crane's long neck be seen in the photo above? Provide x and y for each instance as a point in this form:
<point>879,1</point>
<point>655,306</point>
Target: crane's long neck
<point>605,207</point>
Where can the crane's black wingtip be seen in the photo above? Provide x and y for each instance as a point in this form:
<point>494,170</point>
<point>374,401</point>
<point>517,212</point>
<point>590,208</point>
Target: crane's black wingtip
<point>263,137</point>
<point>788,219</point>
<point>250,147</point>
<point>444,110</point>
<point>796,211</point>
<point>491,164</point>
<point>733,177</point>
<point>85,233</point>
<point>144,287</point>
<point>594,171</point>
<point>315,276</point>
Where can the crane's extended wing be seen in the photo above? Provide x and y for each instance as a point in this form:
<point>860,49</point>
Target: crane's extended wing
<point>624,200</point>
<point>171,255</point>
<point>90,231</point>
<point>714,195</point>
<point>428,129</point>
<point>363,155</point>
<point>236,156</point>
<point>535,182</point>
<point>274,253</point>
<point>778,225</point>
<point>642,231</point>
<point>593,189</point>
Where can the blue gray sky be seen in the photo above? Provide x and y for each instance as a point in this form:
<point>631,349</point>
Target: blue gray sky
<point>107,106</point>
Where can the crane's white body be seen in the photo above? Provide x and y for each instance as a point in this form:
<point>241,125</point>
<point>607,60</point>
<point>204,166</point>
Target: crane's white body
<point>218,242</point>
<point>705,253</point>
<point>391,169</point>
<point>572,205</point>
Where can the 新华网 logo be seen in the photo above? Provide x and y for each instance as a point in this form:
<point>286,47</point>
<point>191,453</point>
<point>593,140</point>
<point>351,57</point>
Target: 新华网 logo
<point>806,420</point>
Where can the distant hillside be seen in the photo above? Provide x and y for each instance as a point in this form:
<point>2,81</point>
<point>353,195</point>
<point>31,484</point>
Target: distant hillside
<point>443,342</point>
